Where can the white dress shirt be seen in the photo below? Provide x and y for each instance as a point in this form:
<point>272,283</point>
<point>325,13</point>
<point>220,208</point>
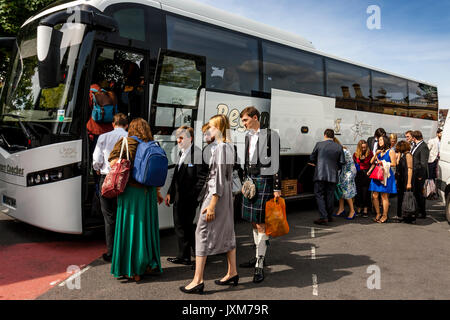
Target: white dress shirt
<point>375,146</point>
<point>184,155</point>
<point>105,144</point>
<point>254,136</point>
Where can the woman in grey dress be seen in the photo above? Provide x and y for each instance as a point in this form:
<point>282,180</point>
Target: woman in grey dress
<point>215,227</point>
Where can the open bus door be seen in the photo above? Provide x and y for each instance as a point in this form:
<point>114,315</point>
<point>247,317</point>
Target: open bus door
<point>6,48</point>
<point>301,120</point>
<point>178,99</point>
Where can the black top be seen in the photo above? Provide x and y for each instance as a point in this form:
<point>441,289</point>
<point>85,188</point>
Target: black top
<point>402,172</point>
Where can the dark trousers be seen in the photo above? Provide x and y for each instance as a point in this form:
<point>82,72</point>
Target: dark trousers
<point>418,193</point>
<point>324,192</point>
<point>362,182</point>
<point>400,196</point>
<point>109,211</point>
<point>183,220</point>
<point>432,169</point>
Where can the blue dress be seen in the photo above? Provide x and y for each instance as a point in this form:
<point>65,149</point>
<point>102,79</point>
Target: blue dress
<point>377,185</point>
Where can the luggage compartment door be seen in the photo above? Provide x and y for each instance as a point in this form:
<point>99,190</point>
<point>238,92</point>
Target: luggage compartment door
<point>300,120</point>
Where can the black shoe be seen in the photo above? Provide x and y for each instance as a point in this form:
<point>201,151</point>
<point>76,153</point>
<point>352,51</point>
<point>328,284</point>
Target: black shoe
<point>197,289</point>
<point>106,257</point>
<point>258,276</point>
<point>250,264</point>
<point>330,219</point>
<point>186,262</point>
<point>422,216</point>
<point>233,280</point>
<point>321,222</point>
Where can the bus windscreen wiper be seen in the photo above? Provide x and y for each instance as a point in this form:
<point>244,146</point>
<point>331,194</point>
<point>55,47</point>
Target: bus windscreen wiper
<point>22,126</point>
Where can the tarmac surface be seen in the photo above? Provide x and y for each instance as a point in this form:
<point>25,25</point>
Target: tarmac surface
<point>356,259</point>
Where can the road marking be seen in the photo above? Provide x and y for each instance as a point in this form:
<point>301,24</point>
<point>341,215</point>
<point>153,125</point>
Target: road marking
<point>54,282</point>
<point>316,228</point>
<point>75,275</point>
<point>315,285</point>
<point>313,234</point>
<point>434,219</point>
<point>313,253</point>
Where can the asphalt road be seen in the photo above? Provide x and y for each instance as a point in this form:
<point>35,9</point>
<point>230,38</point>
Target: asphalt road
<point>339,261</point>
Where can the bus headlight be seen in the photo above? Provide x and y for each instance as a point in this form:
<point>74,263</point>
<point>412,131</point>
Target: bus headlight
<point>53,175</point>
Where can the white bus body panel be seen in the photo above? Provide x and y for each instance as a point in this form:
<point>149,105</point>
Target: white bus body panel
<point>53,206</point>
<point>443,178</point>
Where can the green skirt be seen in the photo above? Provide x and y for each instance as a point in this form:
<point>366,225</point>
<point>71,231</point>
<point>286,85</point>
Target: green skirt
<point>136,241</point>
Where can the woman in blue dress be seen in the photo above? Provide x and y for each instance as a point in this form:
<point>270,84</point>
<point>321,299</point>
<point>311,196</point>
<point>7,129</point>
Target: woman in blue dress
<point>386,153</point>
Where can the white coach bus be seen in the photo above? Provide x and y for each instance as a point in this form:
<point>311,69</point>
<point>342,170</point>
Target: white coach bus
<point>174,62</point>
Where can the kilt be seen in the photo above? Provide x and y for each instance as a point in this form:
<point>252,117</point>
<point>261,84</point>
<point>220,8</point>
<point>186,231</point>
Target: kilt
<point>254,210</point>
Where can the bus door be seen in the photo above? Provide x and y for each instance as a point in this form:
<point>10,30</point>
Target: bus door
<point>178,99</point>
<point>6,48</point>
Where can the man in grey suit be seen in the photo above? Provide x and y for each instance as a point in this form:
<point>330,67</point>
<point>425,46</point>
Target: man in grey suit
<point>328,158</point>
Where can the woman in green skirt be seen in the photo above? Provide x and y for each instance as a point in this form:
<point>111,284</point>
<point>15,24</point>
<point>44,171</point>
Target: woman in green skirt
<point>136,242</point>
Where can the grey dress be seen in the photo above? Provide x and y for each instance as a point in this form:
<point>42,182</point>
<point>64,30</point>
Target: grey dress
<point>218,235</point>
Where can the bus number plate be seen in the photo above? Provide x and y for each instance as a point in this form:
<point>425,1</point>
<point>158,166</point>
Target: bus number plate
<point>9,201</point>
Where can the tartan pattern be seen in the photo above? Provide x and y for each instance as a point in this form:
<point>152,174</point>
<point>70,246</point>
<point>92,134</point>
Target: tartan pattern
<point>254,210</point>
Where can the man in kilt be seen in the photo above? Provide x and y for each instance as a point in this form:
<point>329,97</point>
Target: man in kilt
<point>262,165</point>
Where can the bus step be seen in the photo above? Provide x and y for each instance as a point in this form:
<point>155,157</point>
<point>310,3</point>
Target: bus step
<point>302,196</point>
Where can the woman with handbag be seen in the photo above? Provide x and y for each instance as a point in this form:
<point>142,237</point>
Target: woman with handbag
<point>136,242</point>
<point>362,158</point>
<point>404,174</point>
<point>347,184</point>
<point>383,179</point>
<point>215,227</point>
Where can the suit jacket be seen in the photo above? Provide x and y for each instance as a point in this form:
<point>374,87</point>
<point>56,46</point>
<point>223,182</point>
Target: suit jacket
<point>329,158</point>
<point>188,179</point>
<point>266,160</point>
<point>433,146</point>
<point>420,161</point>
<point>371,143</point>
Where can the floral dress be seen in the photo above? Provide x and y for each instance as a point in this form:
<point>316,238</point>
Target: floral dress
<point>347,177</point>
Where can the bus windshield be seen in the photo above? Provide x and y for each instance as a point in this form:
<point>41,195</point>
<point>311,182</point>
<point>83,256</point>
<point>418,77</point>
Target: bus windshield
<point>25,107</point>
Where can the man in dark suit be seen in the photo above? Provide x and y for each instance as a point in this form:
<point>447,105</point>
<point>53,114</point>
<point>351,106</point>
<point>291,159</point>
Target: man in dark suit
<point>420,170</point>
<point>372,142</point>
<point>183,193</point>
<point>328,158</point>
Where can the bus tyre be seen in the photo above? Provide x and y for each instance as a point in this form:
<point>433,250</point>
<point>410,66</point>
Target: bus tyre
<point>447,207</point>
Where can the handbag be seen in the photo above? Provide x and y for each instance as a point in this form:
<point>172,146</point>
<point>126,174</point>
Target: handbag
<point>249,188</point>
<point>338,192</point>
<point>237,184</point>
<point>275,219</point>
<point>117,178</point>
<point>409,206</point>
<point>378,172</point>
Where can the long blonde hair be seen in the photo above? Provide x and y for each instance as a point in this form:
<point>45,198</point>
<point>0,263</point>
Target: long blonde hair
<point>358,152</point>
<point>222,124</point>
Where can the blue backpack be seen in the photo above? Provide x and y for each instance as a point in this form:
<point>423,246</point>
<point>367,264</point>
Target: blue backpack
<point>102,114</point>
<point>150,164</point>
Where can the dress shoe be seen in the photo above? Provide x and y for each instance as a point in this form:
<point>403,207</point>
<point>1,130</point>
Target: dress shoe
<point>186,262</point>
<point>106,257</point>
<point>321,222</point>
<point>250,264</point>
<point>197,289</point>
<point>258,276</point>
<point>233,280</point>
<point>340,214</point>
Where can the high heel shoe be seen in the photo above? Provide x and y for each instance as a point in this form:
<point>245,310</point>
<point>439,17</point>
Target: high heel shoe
<point>197,289</point>
<point>340,214</point>
<point>354,216</point>
<point>376,219</point>
<point>233,280</point>
<point>383,221</point>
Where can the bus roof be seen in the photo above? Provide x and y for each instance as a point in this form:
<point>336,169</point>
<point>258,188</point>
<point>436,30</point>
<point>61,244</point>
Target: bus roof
<point>209,14</point>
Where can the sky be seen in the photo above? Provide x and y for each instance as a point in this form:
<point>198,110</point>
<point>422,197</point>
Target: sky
<point>413,39</point>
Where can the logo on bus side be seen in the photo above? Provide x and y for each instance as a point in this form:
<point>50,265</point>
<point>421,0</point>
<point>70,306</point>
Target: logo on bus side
<point>68,152</point>
<point>12,170</point>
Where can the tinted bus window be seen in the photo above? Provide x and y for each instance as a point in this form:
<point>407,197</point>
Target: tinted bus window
<point>390,94</point>
<point>292,70</point>
<point>423,101</point>
<point>349,84</point>
<point>131,23</point>
<point>232,59</point>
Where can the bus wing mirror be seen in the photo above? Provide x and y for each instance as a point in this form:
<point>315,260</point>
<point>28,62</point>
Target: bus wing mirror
<point>49,60</point>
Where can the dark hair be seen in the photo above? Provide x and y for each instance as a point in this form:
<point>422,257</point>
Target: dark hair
<point>438,130</point>
<point>409,131</point>
<point>329,133</point>
<point>417,135</point>
<point>380,132</point>
<point>120,120</point>
<point>188,131</point>
<point>387,143</point>
<point>402,147</point>
<point>251,112</point>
